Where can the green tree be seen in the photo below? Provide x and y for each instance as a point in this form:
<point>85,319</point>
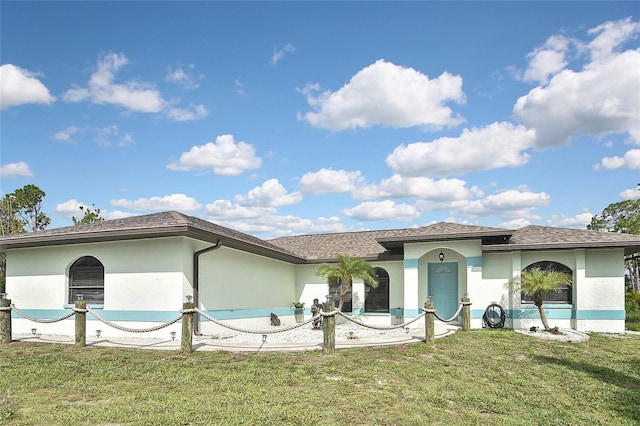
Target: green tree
<point>90,216</point>
<point>19,209</point>
<point>28,207</point>
<point>623,217</point>
<point>343,273</point>
<point>536,282</point>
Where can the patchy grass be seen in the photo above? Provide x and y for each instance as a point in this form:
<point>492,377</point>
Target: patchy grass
<point>479,377</point>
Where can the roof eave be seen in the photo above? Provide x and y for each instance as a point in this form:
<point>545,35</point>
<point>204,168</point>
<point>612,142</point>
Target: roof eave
<point>387,242</point>
<point>629,248</point>
<point>144,233</point>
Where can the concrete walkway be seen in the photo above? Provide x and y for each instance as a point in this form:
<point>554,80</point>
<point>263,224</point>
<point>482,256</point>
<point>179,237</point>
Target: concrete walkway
<point>207,343</point>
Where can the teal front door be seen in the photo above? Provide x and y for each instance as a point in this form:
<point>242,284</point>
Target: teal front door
<point>443,288</point>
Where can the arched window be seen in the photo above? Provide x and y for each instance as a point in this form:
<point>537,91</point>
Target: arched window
<point>86,278</point>
<point>564,296</point>
<point>377,299</point>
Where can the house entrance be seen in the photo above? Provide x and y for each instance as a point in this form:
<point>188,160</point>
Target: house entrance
<point>443,287</point>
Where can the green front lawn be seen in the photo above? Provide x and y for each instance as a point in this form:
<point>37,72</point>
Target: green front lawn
<point>478,377</point>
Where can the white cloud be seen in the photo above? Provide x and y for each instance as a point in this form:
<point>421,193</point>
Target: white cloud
<point>600,98</point>
<point>547,60</point>
<point>12,170</point>
<point>610,36</point>
<point>274,226</point>
<point>66,134</point>
<point>579,221</point>
<point>270,194</point>
<point>101,89</point>
<point>422,188</point>
<point>279,53</point>
<point>184,76</point>
<point>71,208</point>
<point>389,95</point>
<point>110,136</point>
<point>179,202</point>
<point>382,210</point>
<point>19,86</point>
<point>193,112</point>
<point>630,194</point>
<point>138,96</point>
<point>328,180</point>
<point>225,157</point>
<point>630,160</point>
<point>225,209</point>
<point>494,146</point>
<point>507,204</point>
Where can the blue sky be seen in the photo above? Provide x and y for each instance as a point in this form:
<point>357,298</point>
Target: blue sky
<point>285,118</point>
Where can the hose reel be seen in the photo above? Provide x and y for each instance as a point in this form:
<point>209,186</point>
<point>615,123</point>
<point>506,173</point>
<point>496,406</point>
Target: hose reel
<point>494,316</point>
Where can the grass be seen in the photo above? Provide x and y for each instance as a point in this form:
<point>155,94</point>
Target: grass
<point>479,377</point>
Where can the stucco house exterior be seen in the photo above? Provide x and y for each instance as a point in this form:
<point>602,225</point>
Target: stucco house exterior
<point>139,270</point>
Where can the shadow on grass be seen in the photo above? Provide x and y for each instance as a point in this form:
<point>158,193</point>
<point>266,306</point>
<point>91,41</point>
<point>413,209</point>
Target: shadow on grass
<point>629,393</point>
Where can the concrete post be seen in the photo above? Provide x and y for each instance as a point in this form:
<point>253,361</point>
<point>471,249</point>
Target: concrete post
<point>5,321</point>
<point>81,324</point>
<point>329,329</point>
<point>186,342</point>
<point>429,323</point>
<point>466,314</point>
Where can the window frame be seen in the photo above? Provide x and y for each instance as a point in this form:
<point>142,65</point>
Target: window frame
<point>86,278</point>
<point>381,292</point>
<point>562,297</point>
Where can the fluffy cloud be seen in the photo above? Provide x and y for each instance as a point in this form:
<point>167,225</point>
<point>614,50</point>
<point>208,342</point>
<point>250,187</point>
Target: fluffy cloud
<point>600,98</point>
<point>19,86</point>
<point>630,160</point>
<point>132,95</point>
<point>71,208</point>
<point>225,157</point>
<point>382,210</point>
<point>547,60</point>
<point>329,180</point>
<point>422,188</point>
<point>507,204</point>
<point>287,225</point>
<point>179,202</point>
<point>389,95</point>
<point>630,194</point>
<point>496,145</point>
<point>12,170</point>
<point>270,194</point>
<point>225,209</point>
<point>579,221</point>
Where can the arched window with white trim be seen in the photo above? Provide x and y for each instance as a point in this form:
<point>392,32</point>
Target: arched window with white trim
<point>86,279</point>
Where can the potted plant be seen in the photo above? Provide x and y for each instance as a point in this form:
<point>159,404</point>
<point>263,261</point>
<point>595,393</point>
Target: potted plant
<point>298,311</point>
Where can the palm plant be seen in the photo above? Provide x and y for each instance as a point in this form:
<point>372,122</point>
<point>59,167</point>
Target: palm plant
<point>344,271</point>
<point>536,282</point>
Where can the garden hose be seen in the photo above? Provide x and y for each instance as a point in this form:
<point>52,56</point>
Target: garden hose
<point>494,316</point>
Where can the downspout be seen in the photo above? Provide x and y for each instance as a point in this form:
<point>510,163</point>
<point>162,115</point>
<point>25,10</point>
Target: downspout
<point>196,283</point>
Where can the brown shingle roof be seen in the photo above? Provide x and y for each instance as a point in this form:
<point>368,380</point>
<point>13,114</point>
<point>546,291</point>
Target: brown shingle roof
<point>384,244</point>
<point>163,224</point>
<point>374,244</point>
<point>534,237</point>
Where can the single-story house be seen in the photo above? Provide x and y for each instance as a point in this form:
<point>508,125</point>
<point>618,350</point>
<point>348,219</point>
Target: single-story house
<point>138,271</point>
